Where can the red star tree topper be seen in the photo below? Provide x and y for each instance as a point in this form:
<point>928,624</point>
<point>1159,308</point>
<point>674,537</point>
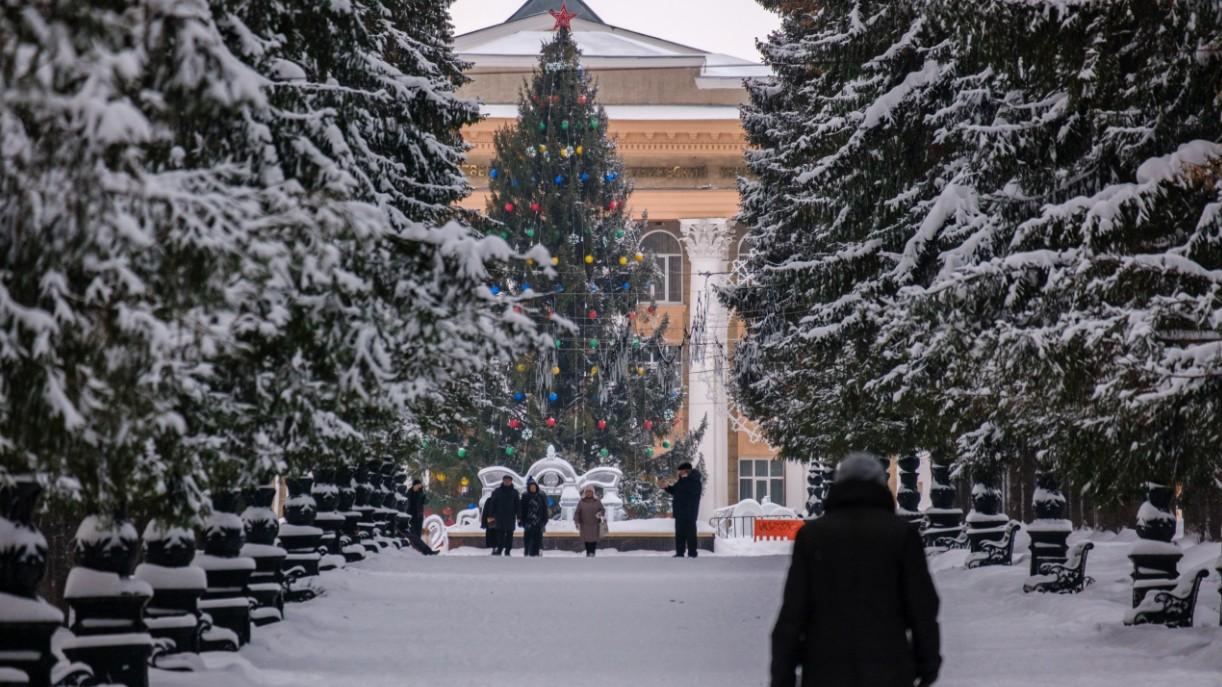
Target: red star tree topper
<point>564,18</point>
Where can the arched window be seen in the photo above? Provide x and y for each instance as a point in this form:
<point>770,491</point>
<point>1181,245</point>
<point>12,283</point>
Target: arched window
<point>663,248</point>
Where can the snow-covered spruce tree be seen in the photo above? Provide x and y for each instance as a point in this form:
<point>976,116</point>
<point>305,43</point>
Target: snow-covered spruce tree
<point>383,313</point>
<point>845,169</point>
<point>596,395</point>
<point>1088,291</point>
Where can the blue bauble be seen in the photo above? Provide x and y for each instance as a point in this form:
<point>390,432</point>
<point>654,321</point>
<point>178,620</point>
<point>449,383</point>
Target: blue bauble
<point>559,288</point>
<point>559,179</point>
<point>496,290</point>
<point>612,176</point>
<point>519,396</point>
<point>492,173</point>
<point>585,176</point>
<point>553,397</point>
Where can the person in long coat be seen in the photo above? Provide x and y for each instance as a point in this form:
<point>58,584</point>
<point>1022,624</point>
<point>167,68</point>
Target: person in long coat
<point>533,516</point>
<point>588,518</point>
<point>416,498</point>
<point>501,514</point>
<point>860,609</point>
<point>685,497</point>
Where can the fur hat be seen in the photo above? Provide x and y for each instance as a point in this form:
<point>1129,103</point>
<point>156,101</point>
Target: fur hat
<point>861,467</point>
<point>685,466</point>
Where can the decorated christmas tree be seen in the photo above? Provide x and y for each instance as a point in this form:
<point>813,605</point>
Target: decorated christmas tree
<point>606,390</point>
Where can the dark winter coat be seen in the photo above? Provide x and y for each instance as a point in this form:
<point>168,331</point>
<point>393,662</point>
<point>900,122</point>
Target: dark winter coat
<point>587,519</point>
<point>502,507</point>
<point>533,512</point>
<point>858,584</point>
<point>685,493</point>
<point>415,504</point>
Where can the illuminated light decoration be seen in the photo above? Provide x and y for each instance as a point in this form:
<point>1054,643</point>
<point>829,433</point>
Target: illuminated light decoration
<point>551,422</point>
<point>602,424</point>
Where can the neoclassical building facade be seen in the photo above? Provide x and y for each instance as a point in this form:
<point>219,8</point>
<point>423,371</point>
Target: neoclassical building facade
<point>673,110</point>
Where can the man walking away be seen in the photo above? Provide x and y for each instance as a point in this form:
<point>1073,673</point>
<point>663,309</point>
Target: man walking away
<point>860,609</point>
<point>533,518</point>
<point>500,515</point>
<point>685,493</point>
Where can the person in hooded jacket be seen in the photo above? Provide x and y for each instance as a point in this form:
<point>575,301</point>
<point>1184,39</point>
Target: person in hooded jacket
<point>685,494</point>
<point>533,516</point>
<point>589,518</point>
<point>501,514</point>
<point>860,609</point>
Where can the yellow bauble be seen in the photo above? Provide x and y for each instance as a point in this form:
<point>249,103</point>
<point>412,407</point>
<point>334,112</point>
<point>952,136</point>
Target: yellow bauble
<point>623,261</point>
<point>530,262</point>
<point>639,257</point>
<point>521,367</point>
<point>555,370</point>
<point>580,150</point>
<point>542,148</point>
<point>564,153</point>
<point>640,371</point>
<point>594,371</point>
<point>556,261</point>
<point>589,259</point>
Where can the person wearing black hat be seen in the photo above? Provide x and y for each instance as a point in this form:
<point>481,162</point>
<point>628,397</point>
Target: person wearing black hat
<point>533,516</point>
<point>501,514</point>
<point>860,609</point>
<point>685,495</point>
<point>416,498</point>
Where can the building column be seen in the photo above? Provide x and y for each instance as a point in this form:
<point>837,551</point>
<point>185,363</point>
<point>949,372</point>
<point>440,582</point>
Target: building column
<point>707,242</point>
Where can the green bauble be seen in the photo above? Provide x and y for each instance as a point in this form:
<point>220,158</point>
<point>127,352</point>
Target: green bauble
<point>593,123</point>
<point>462,452</point>
<point>649,451</point>
<point>593,343</point>
<point>603,453</point>
<point>564,125</point>
<point>665,444</point>
<point>530,233</point>
<point>542,126</point>
<point>509,450</point>
<point>636,343</point>
<point>619,233</point>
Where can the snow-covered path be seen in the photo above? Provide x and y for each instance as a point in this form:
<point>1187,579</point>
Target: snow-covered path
<point>478,621</point>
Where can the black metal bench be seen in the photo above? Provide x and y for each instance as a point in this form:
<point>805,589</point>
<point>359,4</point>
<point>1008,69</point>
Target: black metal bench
<point>1070,576</point>
<point>1000,552</point>
<point>1172,608</point>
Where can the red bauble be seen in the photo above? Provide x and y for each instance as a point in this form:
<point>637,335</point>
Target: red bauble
<point>555,100</point>
<point>515,423</point>
<point>582,100</point>
<point>648,424</point>
<point>602,424</point>
<point>535,207</point>
<point>517,309</point>
<point>593,314</point>
<point>632,315</point>
<point>653,309</point>
<point>508,207</point>
<point>551,422</point>
<point>612,205</point>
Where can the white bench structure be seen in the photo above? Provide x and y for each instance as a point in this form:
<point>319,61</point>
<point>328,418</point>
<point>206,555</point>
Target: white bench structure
<point>558,479</point>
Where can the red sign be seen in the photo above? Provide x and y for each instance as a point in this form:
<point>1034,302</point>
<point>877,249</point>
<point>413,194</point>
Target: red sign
<point>777,530</point>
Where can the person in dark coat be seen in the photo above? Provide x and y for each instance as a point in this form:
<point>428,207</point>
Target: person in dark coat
<point>501,515</point>
<point>860,609</point>
<point>533,517</point>
<point>416,498</point>
<point>685,493</point>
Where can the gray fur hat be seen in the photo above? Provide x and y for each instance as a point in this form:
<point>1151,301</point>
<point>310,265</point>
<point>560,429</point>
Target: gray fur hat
<point>861,467</point>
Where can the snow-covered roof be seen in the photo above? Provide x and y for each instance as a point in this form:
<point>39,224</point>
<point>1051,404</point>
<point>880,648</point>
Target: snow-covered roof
<point>515,44</point>
<point>636,112</point>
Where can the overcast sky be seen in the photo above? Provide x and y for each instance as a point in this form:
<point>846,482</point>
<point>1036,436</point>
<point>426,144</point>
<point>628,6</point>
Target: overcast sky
<point>725,26</point>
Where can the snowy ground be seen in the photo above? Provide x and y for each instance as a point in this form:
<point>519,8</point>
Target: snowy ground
<point>471,620</point>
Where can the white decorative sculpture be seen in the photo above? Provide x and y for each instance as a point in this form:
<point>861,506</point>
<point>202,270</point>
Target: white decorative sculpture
<point>557,479</point>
